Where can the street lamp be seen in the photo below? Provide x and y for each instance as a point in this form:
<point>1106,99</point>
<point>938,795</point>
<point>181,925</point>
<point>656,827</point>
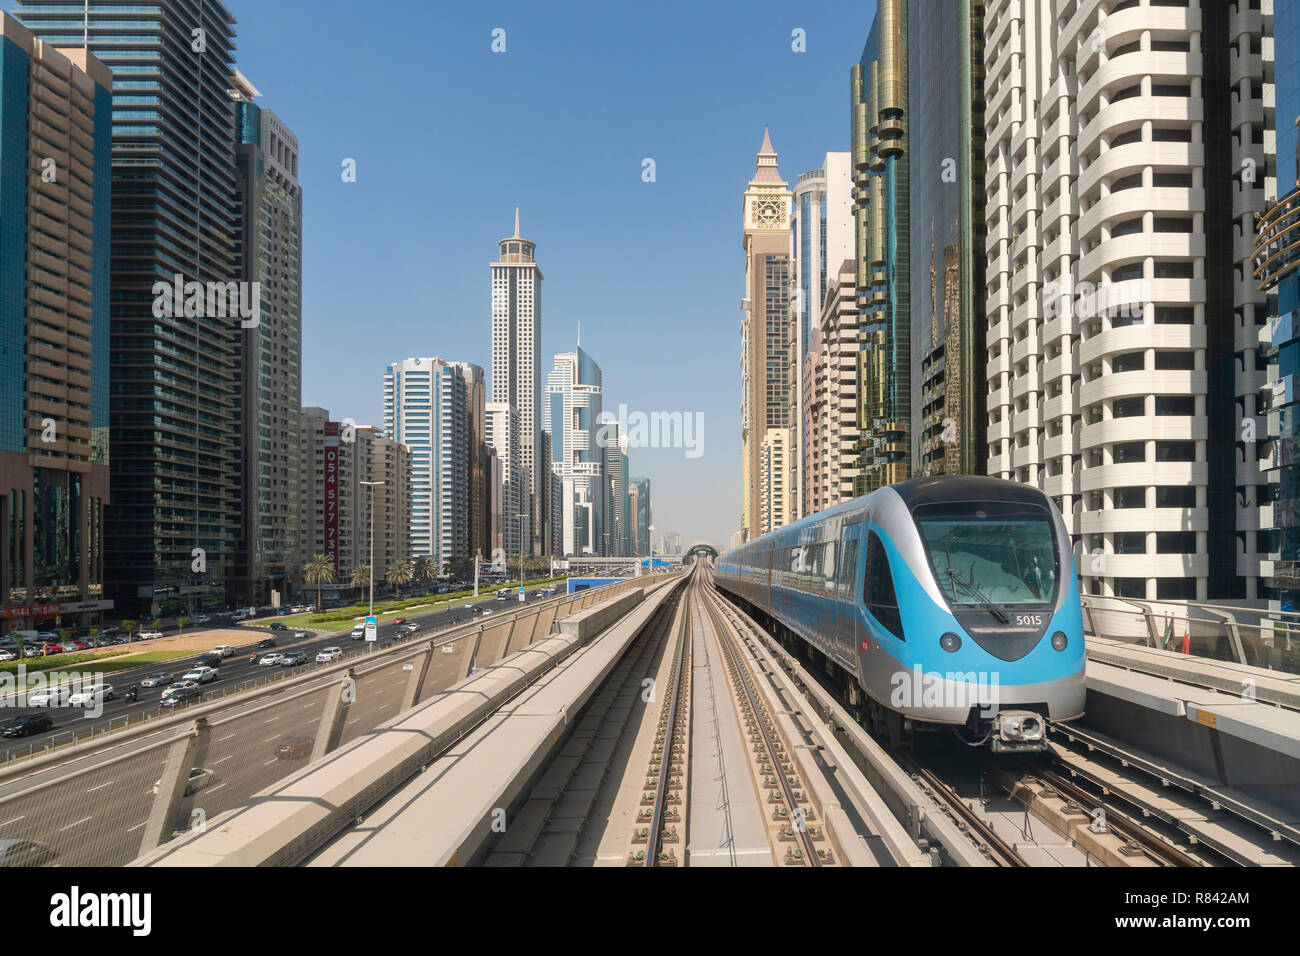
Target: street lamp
<point>372,485</point>
<point>521,516</point>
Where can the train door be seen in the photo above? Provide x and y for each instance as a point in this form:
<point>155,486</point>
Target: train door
<point>767,592</point>
<point>848,634</point>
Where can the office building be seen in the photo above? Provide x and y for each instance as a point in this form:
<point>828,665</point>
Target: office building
<point>270,357</point>
<point>479,518</point>
<point>502,430</point>
<point>640,517</point>
<point>615,443</point>
<point>574,393</point>
<point>424,409</point>
<point>776,488</point>
<point>55,202</point>
<point>517,358</point>
<point>882,235</point>
<point>172,527</point>
<point>1123,341</point>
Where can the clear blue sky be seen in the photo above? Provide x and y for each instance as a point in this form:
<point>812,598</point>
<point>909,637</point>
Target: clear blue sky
<point>449,137</point>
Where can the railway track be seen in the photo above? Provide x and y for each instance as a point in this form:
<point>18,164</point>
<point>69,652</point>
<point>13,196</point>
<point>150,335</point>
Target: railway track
<point>792,811</point>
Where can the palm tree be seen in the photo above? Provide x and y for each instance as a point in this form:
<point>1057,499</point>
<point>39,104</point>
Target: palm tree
<point>181,622</point>
<point>94,637</point>
<point>425,569</point>
<point>361,575</point>
<point>320,570</point>
<point>399,573</point>
<point>130,629</point>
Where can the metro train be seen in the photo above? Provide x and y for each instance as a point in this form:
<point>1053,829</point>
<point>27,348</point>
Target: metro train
<point>945,601</point>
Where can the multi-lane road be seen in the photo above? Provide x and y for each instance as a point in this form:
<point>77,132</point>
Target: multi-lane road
<point>70,722</point>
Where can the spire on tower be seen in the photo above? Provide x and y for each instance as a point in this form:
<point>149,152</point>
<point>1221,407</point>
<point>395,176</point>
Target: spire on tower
<point>516,235</point>
<point>766,149</point>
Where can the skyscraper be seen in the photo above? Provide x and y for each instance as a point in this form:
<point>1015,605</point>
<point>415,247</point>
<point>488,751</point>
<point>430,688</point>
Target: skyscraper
<point>270,366</point>
<point>881,178</point>
<point>516,353</point>
<point>424,408</point>
<point>55,156</point>
<point>574,392</point>
<point>479,519</point>
<point>640,517</point>
<point>1125,164</point>
<point>172,525</point>
<point>502,431</point>
<point>616,475</point>
<point>765,329</point>
<point>821,235</point>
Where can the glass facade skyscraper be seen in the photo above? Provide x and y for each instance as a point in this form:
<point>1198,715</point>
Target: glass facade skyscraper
<point>172,522</point>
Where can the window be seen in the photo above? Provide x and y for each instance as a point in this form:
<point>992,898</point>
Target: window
<point>1128,407</point>
<point>990,552</point>
<point>1174,315</point>
<point>1176,589</point>
<point>1130,542</point>
<point>1175,451</point>
<point>1126,228</point>
<point>1175,270</point>
<point>878,589</point>
<point>1172,180</point>
<point>1175,496</point>
<point>1132,497</point>
<point>1178,361</point>
<point>1131,587</point>
<point>1175,405</point>
<point>847,567</point>
<point>1175,542</point>
<point>1128,451</point>
<point>1128,362</point>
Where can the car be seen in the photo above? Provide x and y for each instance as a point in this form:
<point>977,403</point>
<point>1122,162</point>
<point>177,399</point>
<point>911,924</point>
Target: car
<point>78,645</point>
<point>225,650</point>
<point>294,748</point>
<point>158,679</point>
<point>26,725</point>
<point>359,632</point>
<point>398,620</point>
<point>91,696</point>
<point>203,619</point>
<point>503,595</point>
<point>329,654</point>
<point>149,635</point>
<point>266,660</point>
<point>24,852</point>
<point>202,674</point>
<point>471,608</point>
<point>300,635</point>
<point>181,693</point>
<point>199,778</point>
<point>292,658</point>
<point>49,697</point>
<point>7,656</point>
<point>412,627</point>
<point>279,626</point>
<point>209,659</point>
<point>48,636</point>
<point>263,645</point>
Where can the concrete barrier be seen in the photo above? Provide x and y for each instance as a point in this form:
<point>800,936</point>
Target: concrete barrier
<point>595,619</point>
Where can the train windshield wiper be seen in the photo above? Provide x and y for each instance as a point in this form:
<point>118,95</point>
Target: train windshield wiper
<point>980,598</point>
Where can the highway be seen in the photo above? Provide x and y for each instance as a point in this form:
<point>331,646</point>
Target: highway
<point>234,671</point>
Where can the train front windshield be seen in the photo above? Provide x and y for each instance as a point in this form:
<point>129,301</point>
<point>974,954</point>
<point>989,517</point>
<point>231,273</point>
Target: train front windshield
<point>987,553</point>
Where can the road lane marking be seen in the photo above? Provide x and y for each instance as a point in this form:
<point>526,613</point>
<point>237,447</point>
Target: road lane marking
<point>224,759</point>
<point>100,787</point>
<point>14,820</point>
<point>77,824</point>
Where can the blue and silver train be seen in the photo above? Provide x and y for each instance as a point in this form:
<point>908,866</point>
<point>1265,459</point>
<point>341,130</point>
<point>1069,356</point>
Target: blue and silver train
<point>937,601</point>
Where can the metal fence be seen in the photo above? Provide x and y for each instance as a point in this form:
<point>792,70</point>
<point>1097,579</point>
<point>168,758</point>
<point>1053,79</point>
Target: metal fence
<point>1253,636</point>
<point>89,805</point>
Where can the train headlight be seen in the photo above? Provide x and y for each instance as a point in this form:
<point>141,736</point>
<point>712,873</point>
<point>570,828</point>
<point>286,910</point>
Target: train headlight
<point>1059,641</point>
<point>950,642</point>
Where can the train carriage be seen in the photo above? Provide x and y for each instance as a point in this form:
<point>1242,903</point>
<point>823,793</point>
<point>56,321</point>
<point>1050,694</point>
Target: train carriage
<point>945,601</point>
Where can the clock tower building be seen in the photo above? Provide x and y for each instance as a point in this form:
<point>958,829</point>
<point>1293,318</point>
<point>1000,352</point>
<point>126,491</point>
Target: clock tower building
<point>765,334</point>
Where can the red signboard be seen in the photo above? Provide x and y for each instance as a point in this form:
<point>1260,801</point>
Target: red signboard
<point>28,610</point>
<point>332,493</point>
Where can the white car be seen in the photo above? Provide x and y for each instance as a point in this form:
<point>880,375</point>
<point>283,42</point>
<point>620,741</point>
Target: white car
<point>199,778</point>
<point>329,654</point>
<point>201,674</point>
<point>149,635</point>
<point>299,635</point>
<point>49,697</point>
<point>92,697</point>
<point>7,655</point>
<point>225,650</point>
<point>202,619</point>
<point>266,660</point>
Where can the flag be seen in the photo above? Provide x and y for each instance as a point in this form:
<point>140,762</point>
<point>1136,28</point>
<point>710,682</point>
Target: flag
<point>1169,632</point>
<point>1187,638</point>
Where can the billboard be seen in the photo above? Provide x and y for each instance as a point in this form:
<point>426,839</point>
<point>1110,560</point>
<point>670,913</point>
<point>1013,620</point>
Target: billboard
<point>331,479</point>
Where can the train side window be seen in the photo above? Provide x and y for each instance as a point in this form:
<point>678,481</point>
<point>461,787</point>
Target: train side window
<point>826,579</point>
<point>848,563</point>
<point>878,590</point>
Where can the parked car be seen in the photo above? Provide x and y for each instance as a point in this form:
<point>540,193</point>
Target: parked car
<point>26,725</point>
<point>225,650</point>
<point>329,654</point>
<point>149,635</point>
<point>181,693</point>
<point>293,748</point>
<point>202,618</point>
<point>263,645</point>
<point>7,656</point>
<point>292,659</point>
<point>158,680</point>
<point>202,674</point>
<point>267,660</point>
<point>24,852</point>
<point>199,778</point>
<point>91,696</point>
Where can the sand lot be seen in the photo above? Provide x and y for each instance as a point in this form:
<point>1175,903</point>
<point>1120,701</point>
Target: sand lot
<point>203,640</point>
